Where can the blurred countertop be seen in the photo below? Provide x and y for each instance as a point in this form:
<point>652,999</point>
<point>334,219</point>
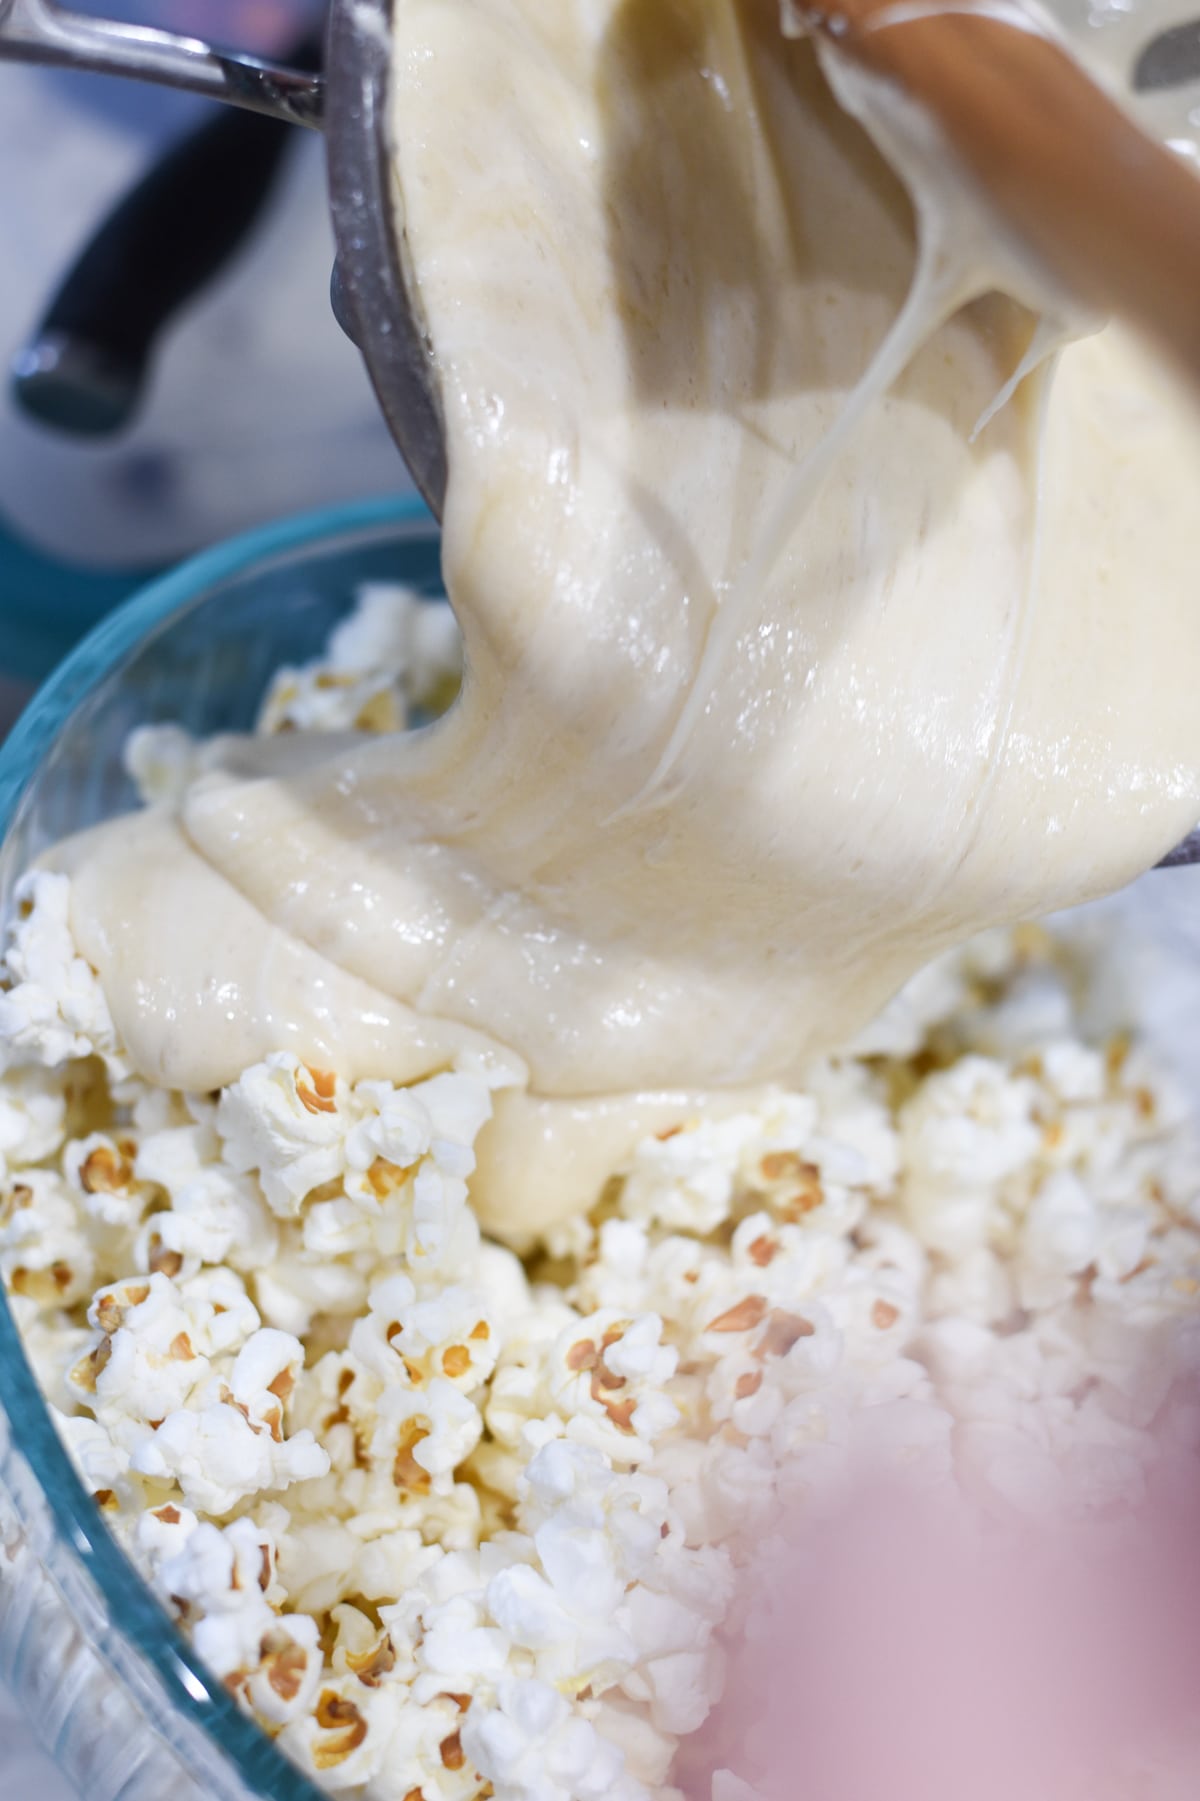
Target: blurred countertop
<point>26,1773</point>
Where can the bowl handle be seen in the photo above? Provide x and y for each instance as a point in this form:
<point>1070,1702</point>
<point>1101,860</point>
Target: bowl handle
<point>41,31</point>
<point>86,366</point>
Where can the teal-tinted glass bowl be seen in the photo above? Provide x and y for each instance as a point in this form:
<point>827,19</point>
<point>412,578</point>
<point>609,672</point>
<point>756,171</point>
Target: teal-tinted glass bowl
<point>112,1688</point>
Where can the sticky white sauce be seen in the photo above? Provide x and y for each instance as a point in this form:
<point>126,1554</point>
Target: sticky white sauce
<point>793,656</point>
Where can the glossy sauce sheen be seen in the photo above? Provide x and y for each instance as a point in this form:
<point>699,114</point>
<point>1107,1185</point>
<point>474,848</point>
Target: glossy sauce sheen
<point>650,860</point>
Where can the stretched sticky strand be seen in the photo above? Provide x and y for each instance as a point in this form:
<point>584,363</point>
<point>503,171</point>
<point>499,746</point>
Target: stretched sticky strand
<point>1112,215</point>
<point>936,292</point>
<point>957,261</point>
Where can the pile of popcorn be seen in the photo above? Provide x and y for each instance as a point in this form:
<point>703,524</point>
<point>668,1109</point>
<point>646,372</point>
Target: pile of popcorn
<point>452,1523</point>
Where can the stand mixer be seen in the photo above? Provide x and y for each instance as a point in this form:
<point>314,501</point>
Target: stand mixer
<point>953,61</point>
<point>249,406</point>
<point>349,102</point>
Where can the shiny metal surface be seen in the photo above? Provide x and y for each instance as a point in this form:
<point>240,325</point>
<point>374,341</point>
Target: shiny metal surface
<point>42,32</point>
<point>1169,60</point>
<point>1186,852</point>
<point>373,299</point>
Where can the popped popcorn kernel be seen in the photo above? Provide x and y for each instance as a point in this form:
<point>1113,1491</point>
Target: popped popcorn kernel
<point>453,1525</point>
<point>276,1123</point>
<point>52,1007</point>
<point>160,760</point>
<point>395,652</point>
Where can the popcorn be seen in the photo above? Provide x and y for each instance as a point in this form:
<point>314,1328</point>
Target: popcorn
<point>398,1158</point>
<point>567,1631</point>
<point>294,1290</point>
<point>353,1729</point>
<point>448,1334</point>
<point>288,1124</point>
<point>393,628</point>
<point>320,699</point>
<point>647,1753</point>
<point>971,1125</point>
<point>687,1178</point>
<point>160,760</point>
<point>219,1582</point>
<point>450,1524</point>
<point>46,1255</point>
<point>103,1173</point>
<point>219,1458</point>
<point>223,1315</point>
<point>606,1379</point>
<point>519,1394</point>
<point>424,1436</point>
<point>161,1534</point>
<point>33,1114</point>
<point>215,1216</point>
<point>1059,1240</point>
<point>533,1748</point>
<point>149,1359</point>
<point>263,1378</point>
<point>53,1344</point>
<point>395,650</point>
<point>416,1144</point>
<point>458,1653</point>
<point>283,1685</point>
<point>52,1007</point>
<point>606,1568</point>
<point>101,1465</point>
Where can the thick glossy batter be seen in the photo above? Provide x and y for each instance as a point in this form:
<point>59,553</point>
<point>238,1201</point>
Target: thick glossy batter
<point>782,675</point>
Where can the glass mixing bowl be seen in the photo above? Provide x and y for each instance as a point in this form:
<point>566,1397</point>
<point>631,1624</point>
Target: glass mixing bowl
<point>111,1687</point>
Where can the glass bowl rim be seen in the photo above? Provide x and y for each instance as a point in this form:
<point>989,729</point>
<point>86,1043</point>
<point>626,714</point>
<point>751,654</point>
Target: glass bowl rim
<point>133,1612</point>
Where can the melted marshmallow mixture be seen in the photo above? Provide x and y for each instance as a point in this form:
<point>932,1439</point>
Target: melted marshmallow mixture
<point>460,1527</point>
<point>781,675</point>
<point>818,607</point>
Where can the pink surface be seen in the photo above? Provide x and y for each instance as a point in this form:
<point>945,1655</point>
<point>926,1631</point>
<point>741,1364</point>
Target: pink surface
<point>891,1663</point>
